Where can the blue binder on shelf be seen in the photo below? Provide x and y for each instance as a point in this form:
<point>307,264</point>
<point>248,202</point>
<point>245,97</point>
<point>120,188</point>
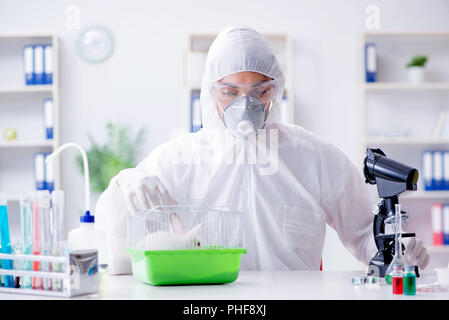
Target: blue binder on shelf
<point>48,64</point>
<point>38,64</point>
<point>49,177</point>
<point>438,170</point>
<point>196,122</point>
<point>28,64</point>
<point>446,224</point>
<point>48,118</point>
<point>446,170</point>
<point>370,62</point>
<point>427,169</point>
<point>39,170</point>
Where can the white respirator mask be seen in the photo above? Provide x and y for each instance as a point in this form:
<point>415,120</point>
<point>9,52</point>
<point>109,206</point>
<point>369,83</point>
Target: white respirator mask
<point>246,106</point>
<point>245,115</point>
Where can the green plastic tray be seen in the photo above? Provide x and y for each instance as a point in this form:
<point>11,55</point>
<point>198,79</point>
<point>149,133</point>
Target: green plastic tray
<point>197,266</point>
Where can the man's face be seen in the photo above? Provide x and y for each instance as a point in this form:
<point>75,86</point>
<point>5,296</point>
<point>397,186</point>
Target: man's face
<point>229,93</point>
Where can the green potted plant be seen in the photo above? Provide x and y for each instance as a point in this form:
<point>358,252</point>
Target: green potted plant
<point>119,152</point>
<point>415,68</point>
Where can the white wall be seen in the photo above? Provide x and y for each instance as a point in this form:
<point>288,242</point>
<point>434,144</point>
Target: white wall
<point>142,83</point>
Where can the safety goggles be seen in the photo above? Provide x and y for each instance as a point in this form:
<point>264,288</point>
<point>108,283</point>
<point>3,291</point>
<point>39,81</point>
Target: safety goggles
<point>224,93</point>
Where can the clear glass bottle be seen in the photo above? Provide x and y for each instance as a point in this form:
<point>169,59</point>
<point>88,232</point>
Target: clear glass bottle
<point>409,280</point>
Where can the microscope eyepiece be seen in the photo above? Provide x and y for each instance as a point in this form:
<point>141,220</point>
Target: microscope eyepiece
<point>391,177</point>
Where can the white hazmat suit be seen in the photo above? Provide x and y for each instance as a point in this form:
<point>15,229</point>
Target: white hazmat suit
<point>286,196</point>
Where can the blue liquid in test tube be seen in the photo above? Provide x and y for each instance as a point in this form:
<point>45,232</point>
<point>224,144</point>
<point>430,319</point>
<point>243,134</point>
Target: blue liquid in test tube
<point>5,239</point>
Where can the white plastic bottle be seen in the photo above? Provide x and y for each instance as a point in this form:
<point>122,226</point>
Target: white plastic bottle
<point>86,237</point>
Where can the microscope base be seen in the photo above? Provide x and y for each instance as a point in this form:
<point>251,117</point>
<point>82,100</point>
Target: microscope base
<point>377,267</point>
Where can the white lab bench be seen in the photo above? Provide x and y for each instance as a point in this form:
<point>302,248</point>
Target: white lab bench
<point>253,285</point>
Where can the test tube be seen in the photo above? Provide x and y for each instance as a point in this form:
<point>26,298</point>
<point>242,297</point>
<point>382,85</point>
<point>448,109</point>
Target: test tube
<point>57,197</point>
<point>5,239</point>
<point>45,233</point>
<point>27,240</point>
<point>16,248</point>
<point>36,238</point>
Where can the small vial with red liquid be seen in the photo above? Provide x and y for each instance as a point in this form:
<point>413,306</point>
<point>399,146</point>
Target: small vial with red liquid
<point>397,279</point>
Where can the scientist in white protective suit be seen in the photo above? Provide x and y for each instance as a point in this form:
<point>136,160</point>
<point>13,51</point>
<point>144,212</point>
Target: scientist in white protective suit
<point>294,185</point>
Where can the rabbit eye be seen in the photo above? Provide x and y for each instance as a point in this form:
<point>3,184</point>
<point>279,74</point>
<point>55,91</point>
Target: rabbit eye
<point>198,244</point>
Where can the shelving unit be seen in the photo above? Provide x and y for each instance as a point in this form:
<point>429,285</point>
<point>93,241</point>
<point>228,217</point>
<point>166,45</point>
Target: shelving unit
<point>195,57</point>
<point>26,89</point>
<point>438,249</point>
<point>394,84</point>
<point>26,144</point>
<point>407,141</point>
<point>394,103</point>
<point>391,86</point>
<point>21,108</point>
<point>428,195</point>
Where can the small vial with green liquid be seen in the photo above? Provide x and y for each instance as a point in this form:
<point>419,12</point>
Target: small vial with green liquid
<point>409,280</point>
<point>388,279</point>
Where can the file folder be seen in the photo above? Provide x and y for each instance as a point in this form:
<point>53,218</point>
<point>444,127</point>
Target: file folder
<point>39,170</point>
<point>436,223</point>
<point>28,64</point>
<point>48,118</point>
<point>446,224</point>
<point>427,170</point>
<point>438,170</point>
<point>446,170</point>
<point>39,64</point>
<point>371,62</point>
<point>196,122</point>
<point>49,176</point>
<point>48,64</point>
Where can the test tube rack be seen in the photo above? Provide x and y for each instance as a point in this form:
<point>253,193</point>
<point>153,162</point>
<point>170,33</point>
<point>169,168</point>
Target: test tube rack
<point>71,284</point>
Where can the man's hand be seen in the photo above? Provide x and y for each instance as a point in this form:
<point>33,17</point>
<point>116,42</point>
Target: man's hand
<point>142,192</point>
<point>415,253</point>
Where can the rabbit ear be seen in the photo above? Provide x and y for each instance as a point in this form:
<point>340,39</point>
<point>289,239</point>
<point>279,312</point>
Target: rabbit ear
<point>195,229</point>
<point>176,224</point>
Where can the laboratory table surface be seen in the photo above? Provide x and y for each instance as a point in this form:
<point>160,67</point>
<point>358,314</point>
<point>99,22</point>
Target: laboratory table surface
<point>254,285</point>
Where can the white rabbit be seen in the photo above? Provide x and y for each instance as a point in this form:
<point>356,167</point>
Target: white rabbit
<point>177,240</point>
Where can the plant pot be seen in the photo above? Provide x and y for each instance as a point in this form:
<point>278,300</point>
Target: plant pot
<point>415,74</point>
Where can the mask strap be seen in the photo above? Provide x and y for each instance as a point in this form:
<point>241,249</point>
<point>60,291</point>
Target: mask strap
<point>268,109</point>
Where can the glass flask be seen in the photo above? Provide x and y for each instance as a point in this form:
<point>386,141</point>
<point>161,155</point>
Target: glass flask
<point>398,259</point>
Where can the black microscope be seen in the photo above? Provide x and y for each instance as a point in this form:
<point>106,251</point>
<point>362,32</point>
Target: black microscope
<point>392,178</point>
